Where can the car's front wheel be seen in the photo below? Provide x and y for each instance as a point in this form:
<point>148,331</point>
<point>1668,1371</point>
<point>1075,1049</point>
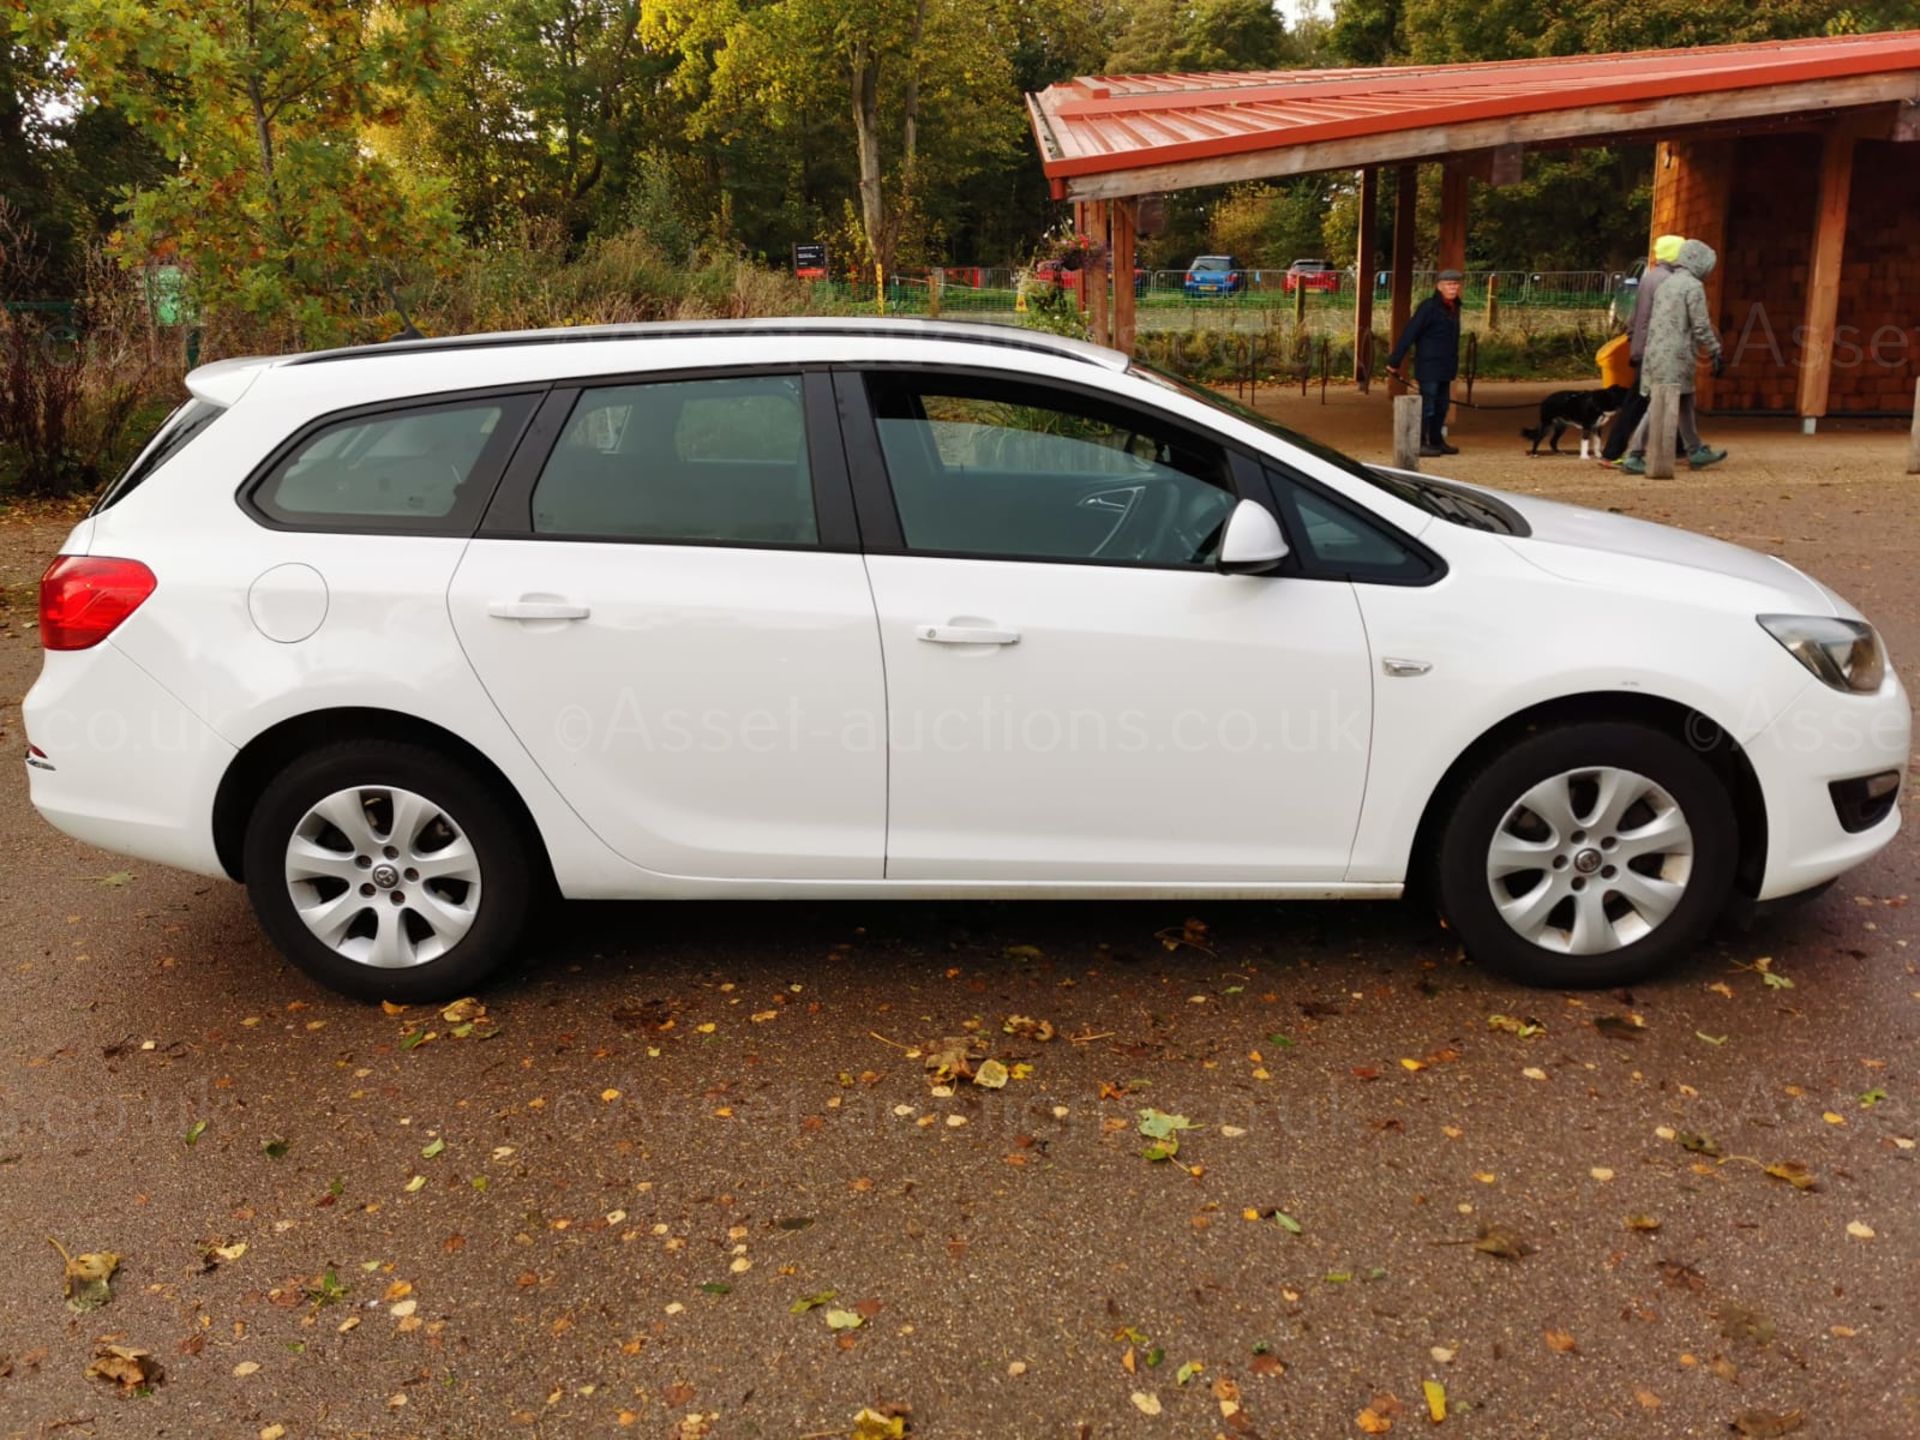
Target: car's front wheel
<point>1590,854</point>
<point>387,871</point>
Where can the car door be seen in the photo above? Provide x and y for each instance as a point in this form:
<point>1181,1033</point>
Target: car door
<point>667,603</point>
<point>1074,693</point>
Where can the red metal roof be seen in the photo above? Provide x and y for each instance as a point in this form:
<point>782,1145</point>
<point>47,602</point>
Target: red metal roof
<point>1095,125</point>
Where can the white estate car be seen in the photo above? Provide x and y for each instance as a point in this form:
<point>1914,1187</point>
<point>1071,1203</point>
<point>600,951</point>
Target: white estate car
<point>405,636</point>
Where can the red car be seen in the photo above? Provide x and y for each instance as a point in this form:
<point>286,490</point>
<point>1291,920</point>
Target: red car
<point>1312,275</point>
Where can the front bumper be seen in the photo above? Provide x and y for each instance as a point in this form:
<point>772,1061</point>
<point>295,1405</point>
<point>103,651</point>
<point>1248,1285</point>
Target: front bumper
<point>1823,737</point>
<point>127,766</point>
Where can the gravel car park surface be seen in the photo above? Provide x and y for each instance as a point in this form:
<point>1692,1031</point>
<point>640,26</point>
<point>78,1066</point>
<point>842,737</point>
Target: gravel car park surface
<point>599,1208</point>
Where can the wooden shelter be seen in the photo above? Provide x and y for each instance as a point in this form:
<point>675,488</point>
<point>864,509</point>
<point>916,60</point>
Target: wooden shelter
<point>1759,147</point>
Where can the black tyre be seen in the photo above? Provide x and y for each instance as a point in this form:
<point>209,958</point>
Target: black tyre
<point>1586,855</point>
<point>387,871</point>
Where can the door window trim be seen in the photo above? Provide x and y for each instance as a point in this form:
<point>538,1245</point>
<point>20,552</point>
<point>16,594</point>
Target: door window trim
<point>510,515</point>
<point>873,487</point>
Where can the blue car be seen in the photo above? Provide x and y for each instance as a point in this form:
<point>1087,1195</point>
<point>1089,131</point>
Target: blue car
<point>1215,275</point>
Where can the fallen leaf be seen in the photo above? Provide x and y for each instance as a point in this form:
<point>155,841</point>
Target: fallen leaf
<point>126,1366</point>
<point>1860,1230</point>
<point>871,1424</point>
<point>1534,1072</point>
<point>1794,1173</point>
<point>811,1302</point>
<point>1436,1394</point>
<point>1501,1243</point>
<point>195,1131</point>
<point>433,1147</point>
<point>1372,1422</point>
<point>1620,1027</point>
<point>1145,1403</point>
<point>843,1320</point>
<point>1767,1424</point>
<point>1187,1371</point>
<point>1561,1342</point>
<point>1698,1144</point>
<point>231,1252</point>
<point>1513,1025</point>
<point>87,1277</point>
<point>1642,1222</point>
<point>246,1368</point>
<point>276,1149</point>
<point>991,1075</point>
<point>952,1058</point>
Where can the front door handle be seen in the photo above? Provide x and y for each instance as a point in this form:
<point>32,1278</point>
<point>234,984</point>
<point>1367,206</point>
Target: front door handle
<point>537,610</point>
<point>965,635</point>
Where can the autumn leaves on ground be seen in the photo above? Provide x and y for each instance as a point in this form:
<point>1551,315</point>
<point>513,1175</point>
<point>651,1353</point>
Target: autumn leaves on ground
<point>951,1170</point>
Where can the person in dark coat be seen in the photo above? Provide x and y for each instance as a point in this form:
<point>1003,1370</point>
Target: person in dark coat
<point>1666,250</point>
<point>1433,335</point>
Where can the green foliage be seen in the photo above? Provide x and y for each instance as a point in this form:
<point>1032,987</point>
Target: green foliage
<point>1199,35</point>
<point>278,201</point>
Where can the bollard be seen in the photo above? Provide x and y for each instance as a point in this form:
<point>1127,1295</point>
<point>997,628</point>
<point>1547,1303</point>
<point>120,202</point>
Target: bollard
<point>1406,432</point>
<point>1913,445</point>
<point>1493,301</point>
<point>1663,422</point>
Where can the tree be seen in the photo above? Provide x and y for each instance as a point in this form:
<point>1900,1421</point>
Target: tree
<point>548,112</point>
<point>274,200</point>
<point>1200,35</point>
<point>925,83</point>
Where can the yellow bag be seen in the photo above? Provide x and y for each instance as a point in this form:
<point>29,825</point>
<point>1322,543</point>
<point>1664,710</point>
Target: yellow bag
<point>1616,365</point>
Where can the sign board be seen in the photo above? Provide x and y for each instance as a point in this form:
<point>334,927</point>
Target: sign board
<point>167,296</point>
<point>810,260</point>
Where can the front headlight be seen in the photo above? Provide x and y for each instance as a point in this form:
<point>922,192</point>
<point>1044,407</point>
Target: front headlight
<point>1844,653</point>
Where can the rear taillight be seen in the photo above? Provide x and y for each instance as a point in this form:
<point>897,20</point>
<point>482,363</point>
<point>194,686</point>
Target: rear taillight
<point>1189,277</point>
<point>1233,276</point>
<point>84,597</point>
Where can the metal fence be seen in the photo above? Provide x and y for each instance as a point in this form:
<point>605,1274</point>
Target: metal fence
<point>1164,303</point>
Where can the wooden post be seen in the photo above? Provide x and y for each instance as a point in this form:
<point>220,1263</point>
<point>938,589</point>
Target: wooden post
<point>1663,424</point>
<point>1493,301</point>
<point>1126,221</point>
<point>1299,304</point>
<point>1453,216</point>
<point>1913,444</point>
<point>1406,202</point>
<point>1823,273</point>
<point>936,283</point>
<point>1096,268</point>
<point>1406,432</point>
<point>1363,277</point>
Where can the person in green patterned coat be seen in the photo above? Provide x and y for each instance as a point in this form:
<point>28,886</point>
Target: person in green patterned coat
<point>1679,332</point>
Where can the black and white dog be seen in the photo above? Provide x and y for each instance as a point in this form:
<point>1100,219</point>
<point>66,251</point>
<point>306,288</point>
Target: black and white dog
<point>1589,409</point>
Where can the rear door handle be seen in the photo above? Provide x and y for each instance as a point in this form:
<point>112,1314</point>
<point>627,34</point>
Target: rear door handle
<point>537,610</point>
<point>966,635</point>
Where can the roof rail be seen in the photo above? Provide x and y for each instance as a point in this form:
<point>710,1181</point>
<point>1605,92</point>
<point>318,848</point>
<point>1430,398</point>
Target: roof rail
<point>966,332</point>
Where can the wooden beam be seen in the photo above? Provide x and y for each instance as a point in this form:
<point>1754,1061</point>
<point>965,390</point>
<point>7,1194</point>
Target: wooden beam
<point>1126,216</point>
<point>1406,432</point>
<point>1906,122</point>
<point>1363,266</point>
<point>1823,273</point>
<point>1096,268</point>
<point>1406,205</point>
<point>1595,124</point>
<point>1663,430</point>
<point>1452,249</point>
<point>1509,165</point>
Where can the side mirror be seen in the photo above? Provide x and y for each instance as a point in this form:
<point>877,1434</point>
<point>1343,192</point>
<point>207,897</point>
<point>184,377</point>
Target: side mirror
<point>1252,543</point>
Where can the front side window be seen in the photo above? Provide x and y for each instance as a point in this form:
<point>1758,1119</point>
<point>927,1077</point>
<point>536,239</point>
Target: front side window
<point>420,469</point>
<point>997,468</point>
<point>719,461</point>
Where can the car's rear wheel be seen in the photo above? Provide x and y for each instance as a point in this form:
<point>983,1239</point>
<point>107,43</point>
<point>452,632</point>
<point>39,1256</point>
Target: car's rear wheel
<point>388,872</point>
<point>1590,854</point>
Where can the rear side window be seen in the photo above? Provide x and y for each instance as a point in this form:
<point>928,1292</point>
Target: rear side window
<point>425,469</point>
<point>175,433</point>
<point>720,461</point>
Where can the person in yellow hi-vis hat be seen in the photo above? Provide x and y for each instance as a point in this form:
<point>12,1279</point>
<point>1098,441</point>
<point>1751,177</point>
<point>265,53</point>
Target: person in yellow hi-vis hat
<point>1666,250</point>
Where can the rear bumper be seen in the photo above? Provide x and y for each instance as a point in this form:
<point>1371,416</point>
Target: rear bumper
<point>1825,736</point>
<point>128,767</point>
